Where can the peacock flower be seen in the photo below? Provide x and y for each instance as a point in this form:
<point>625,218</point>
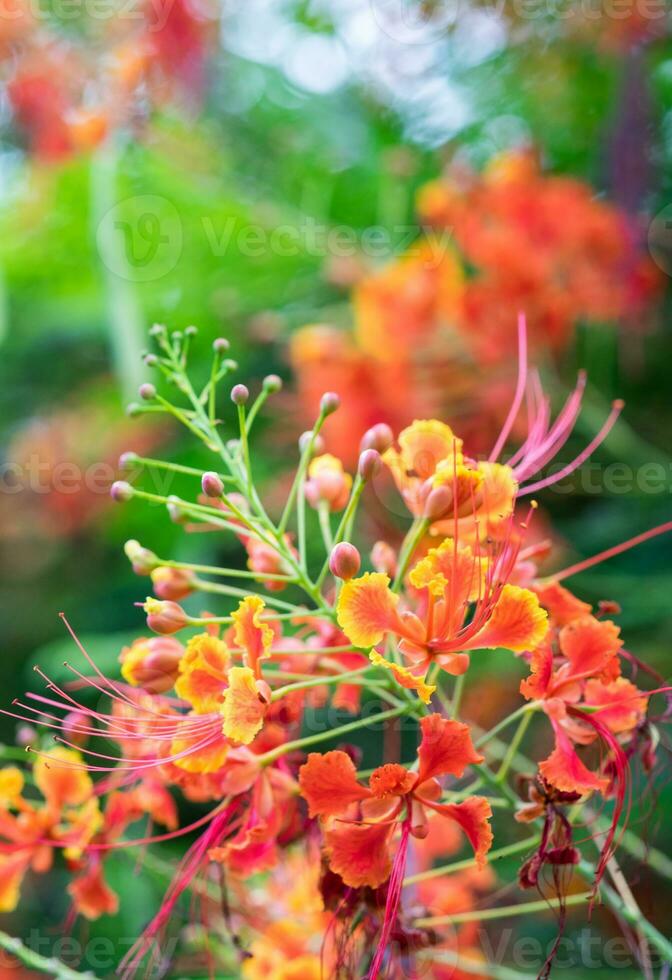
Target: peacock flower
<point>360,822</point>
<point>452,581</point>
<point>582,692</point>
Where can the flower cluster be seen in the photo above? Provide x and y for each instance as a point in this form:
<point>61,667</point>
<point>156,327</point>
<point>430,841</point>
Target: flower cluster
<point>430,323</point>
<point>309,866</point>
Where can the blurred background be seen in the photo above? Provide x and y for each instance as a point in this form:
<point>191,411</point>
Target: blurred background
<point>360,195</point>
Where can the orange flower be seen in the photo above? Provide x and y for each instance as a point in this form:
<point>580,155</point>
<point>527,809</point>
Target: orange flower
<point>449,580</point>
<point>582,693</point>
<point>358,848</point>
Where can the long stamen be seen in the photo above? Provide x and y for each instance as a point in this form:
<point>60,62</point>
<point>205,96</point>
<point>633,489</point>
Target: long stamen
<point>618,549</point>
<point>520,389</point>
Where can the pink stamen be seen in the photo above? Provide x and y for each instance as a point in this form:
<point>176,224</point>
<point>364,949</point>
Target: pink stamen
<point>617,549</point>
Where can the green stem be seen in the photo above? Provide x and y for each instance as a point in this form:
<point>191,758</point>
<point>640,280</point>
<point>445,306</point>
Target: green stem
<point>505,911</point>
<point>302,743</point>
<point>416,531</point>
<point>446,869</point>
<point>319,681</point>
<point>218,589</point>
<point>518,737</point>
<point>325,525</point>
<point>43,964</point>
<point>458,691</point>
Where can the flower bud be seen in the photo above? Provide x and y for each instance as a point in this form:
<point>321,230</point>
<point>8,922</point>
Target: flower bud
<point>128,461</point>
<point>172,583</point>
<point>329,402</point>
<point>157,330</point>
<point>152,663</point>
<point>150,360</point>
<point>304,440</point>
<point>344,561</point>
<point>147,392</point>
<point>272,383</point>
<point>191,331</point>
<point>239,394</point>
<point>211,484</point>
<point>378,437</point>
<point>121,491</point>
<point>142,559</point>
<point>175,511</point>
<point>220,344</point>
<point>439,501</point>
<point>369,464</point>
<point>133,409</point>
<point>327,483</point>
<point>384,558</point>
<point>164,616</point>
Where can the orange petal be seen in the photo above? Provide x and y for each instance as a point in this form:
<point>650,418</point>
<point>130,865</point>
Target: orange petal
<point>427,443</point>
<point>253,635</point>
<point>517,622</point>
<point>391,779</point>
<point>359,853</point>
<point>541,666</point>
<point>329,783</point>
<point>92,895</point>
<point>622,705</point>
<point>199,758</point>
<point>446,748</point>
<point>11,785</point>
<point>589,644</point>
<point>405,677</point>
<point>202,673</point>
<point>13,868</point>
<point>562,606</point>
<point>367,609</point>
<point>62,778</point>
<point>473,816</point>
<point>565,770</point>
<point>244,707</point>
<point>450,570</point>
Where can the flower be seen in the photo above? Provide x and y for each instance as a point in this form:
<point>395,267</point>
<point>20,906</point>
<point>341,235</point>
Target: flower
<point>449,580</point>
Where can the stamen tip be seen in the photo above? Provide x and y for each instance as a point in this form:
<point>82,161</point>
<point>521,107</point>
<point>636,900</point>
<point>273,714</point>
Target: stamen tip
<point>618,404</point>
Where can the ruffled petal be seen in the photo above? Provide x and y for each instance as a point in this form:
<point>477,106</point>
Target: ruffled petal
<point>426,443</point>
<point>251,633</point>
<point>359,853</point>
<point>391,779</point>
<point>562,606</point>
<point>565,770</point>
<point>203,673</point>
<point>405,677</point>
<point>244,706</point>
<point>446,748</point>
<point>473,815</point>
<point>367,609</point>
<point>329,783</point>
<point>517,623</point>
<point>589,644</point>
<point>62,778</point>
<point>538,683</point>
<point>92,895</point>
<point>622,706</point>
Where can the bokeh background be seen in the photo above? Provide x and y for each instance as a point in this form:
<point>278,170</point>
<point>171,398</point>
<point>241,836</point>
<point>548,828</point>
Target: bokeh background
<point>360,195</point>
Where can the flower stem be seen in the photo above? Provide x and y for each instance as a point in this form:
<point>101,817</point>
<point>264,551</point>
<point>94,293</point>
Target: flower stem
<point>302,743</point>
<point>33,960</point>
